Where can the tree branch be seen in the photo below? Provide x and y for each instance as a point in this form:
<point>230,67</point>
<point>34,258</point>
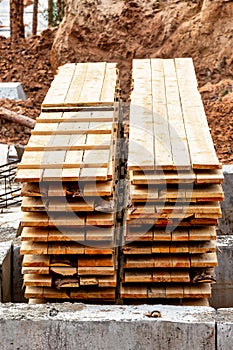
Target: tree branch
<point>17,118</point>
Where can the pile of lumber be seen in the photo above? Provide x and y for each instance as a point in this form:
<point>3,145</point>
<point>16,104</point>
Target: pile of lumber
<point>68,172</point>
<point>174,186</point>
<point>79,242</point>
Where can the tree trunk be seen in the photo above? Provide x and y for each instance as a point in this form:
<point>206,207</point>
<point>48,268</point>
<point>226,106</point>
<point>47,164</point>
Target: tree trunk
<point>16,118</point>
<point>21,20</point>
<point>50,12</point>
<point>16,20</point>
<point>60,9</point>
<point>35,17</point>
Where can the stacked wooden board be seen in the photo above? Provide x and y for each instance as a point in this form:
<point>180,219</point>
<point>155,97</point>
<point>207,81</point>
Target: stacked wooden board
<point>68,172</point>
<point>174,186</point>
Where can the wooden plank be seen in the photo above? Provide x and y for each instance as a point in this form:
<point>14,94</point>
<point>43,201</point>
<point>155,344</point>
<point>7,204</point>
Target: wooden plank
<point>93,294</point>
<point>109,84</point>
<point>33,190</point>
<point>141,137</point>
<point>177,132</point>
<point>33,204</point>
<point>100,219</point>
<point>35,280</point>
<point>100,234</point>
<point>155,292</point>
<point>33,292</point>
<point>89,281</point>
<point>56,95</point>
<point>201,248</point>
<point>132,249</point>
<point>180,234</point>
<point>26,175</point>
<point>204,260</point>
<point>70,220</point>
<point>139,193</point>
<point>107,281</point>
<point>38,234</point>
<point>36,261</point>
<point>96,114</point>
<point>180,276</point>
<point>161,276</point>
<point>35,270</point>
<point>35,234</point>
<point>93,83</point>
<point>76,84</point>
<point>174,291</point>
<point>138,234</point>
<point>34,248</point>
<point>201,290</point>
<point>137,277</point>
<point>63,270</point>
<point>100,250</point>
<point>66,234</point>
<point>202,233</point>
<point>35,219</point>
<point>96,270</point>
<point>52,293</point>
<point>158,178</point>
<point>203,155</point>
<point>96,261</point>
<point>211,176</point>
<point>135,292</point>
<point>65,248</point>
<point>162,142</point>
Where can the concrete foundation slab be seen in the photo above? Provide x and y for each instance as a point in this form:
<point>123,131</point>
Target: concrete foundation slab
<point>5,271</point>
<point>13,91</point>
<point>226,222</point>
<point>17,278</point>
<point>224,336</point>
<point>222,291</point>
<point>78,326</point>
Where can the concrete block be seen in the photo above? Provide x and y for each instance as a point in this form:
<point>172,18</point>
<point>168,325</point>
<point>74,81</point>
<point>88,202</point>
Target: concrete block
<point>222,291</point>
<point>224,319</point>
<point>87,327</point>
<point>226,222</point>
<point>17,282</point>
<point>5,271</point>
<point>13,91</point>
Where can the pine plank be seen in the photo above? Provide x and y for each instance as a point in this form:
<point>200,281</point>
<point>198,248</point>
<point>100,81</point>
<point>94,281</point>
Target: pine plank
<point>162,142</point>
<point>76,84</point>
<point>56,95</point>
<point>35,270</point>
<point>177,132</point>
<point>96,270</point>
<point>204,260</point>
<point>93,294</point>
<point>155,292</point>
<point>36,261</point>
<point>129,292</point>
<point>96,261</point>
<point>202,290</point>
<point>36,280</point>
<point>109,84</point>
<point>93,83</point>
<point>203,155</point>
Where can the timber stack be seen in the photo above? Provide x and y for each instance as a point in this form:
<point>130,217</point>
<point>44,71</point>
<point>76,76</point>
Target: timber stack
<point>78,243</point>
<point>68,172</point>
<point>174,185</point>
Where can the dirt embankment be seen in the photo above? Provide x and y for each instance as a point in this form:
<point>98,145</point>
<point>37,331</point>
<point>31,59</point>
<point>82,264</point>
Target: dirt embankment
<point>120,30</point>
<point>28,63</point>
